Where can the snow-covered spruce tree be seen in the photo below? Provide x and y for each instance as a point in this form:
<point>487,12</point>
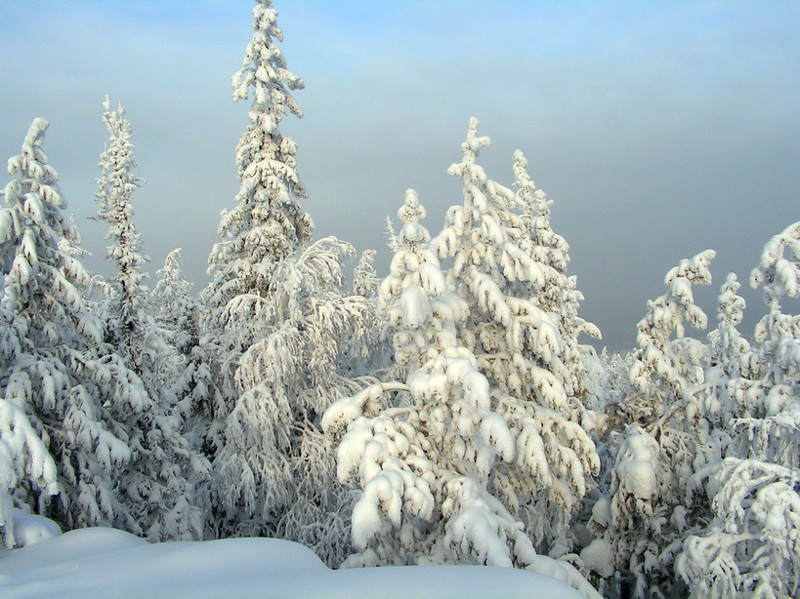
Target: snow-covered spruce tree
<point>667,367</point>
<point>274,474</point>
<point>267,225</point>
<point>130,324</point>
<point>194,388</point>
<point>728,346</point>
<point>522,326</point>
<point>608,376</point>
<point>558,295</point>
<point>761,394</point>
<point>775,434</point>
<point>278,329</point>
<point>376,351</point>
<point>177,309</point>
<point>412,457</point>
<point>750,548</point>
<point>61,375</point>
<point>157,481</point>
<point>609,381</point>
<point>423,448</point>
<point>26,467</point>
<point>365,277</point>
<point>646,515</point>
<point>723,397</point>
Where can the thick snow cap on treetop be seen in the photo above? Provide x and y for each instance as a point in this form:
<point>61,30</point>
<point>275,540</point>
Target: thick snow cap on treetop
<point>779,275</point>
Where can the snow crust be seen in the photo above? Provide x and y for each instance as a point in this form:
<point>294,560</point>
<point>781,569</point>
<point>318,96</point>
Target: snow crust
<point>98,563</point>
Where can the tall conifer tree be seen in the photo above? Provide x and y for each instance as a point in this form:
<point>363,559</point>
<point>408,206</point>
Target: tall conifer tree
<point>278,330</point>
<point>158,482</point>
<point>649,508</point>
<point>62,374</point>
<point>479,426</point>
<point>523,327</point>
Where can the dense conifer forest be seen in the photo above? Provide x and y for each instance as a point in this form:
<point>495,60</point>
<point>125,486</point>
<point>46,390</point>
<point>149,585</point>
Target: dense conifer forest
<point>448,411</point>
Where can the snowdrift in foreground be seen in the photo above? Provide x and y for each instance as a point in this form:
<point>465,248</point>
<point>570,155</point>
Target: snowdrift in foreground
<point>98,563</point>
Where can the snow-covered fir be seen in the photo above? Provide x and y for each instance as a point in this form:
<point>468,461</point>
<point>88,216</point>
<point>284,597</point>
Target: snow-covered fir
<point>750,545</point>
<point>159,479</point>
<point>523,326</point>
<point>454,457</point>
<point>657,441</point>
<point>191,383</point>
<point>279,330</point>
<point>58,369</point>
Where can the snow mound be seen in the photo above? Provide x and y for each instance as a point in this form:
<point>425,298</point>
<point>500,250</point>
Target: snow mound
<point>98,563</point>
<point>30,529</point>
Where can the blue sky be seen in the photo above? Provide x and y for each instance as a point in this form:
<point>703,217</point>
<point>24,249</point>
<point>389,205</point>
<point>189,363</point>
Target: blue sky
<point>659,129</point>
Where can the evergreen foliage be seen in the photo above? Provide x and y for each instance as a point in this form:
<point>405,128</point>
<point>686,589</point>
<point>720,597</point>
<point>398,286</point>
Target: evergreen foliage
<point>57,368</point>
<point>194,389</point>
<point>279,331</point>
<point>157,482</point>
<point>647,511</point>
<point>750,544</point>
<point>447,412</point>
<point>450,466</point>
<point>523,328</point>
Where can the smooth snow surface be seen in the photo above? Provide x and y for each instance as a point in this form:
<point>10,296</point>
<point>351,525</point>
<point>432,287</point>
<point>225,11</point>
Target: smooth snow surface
<point>99,563</point>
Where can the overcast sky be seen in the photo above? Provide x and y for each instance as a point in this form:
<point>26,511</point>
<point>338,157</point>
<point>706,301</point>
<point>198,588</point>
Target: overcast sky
<point>659,129</point>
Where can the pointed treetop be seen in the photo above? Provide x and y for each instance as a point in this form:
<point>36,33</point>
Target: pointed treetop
<point>730,306</point>
<point>534,200</point>
<point>413,232</point>
<point>171,265</point>
<point>264,68</point>
<point>268,223</point>
<point>34,139</point>
<point>474,143</point>
<point>521,177</point>
<point>32,165</point>
<point>115,187</point>
<point>117,181</point>
<point>171,277</point>
<point>726,343</point>
<point>470,148</point>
